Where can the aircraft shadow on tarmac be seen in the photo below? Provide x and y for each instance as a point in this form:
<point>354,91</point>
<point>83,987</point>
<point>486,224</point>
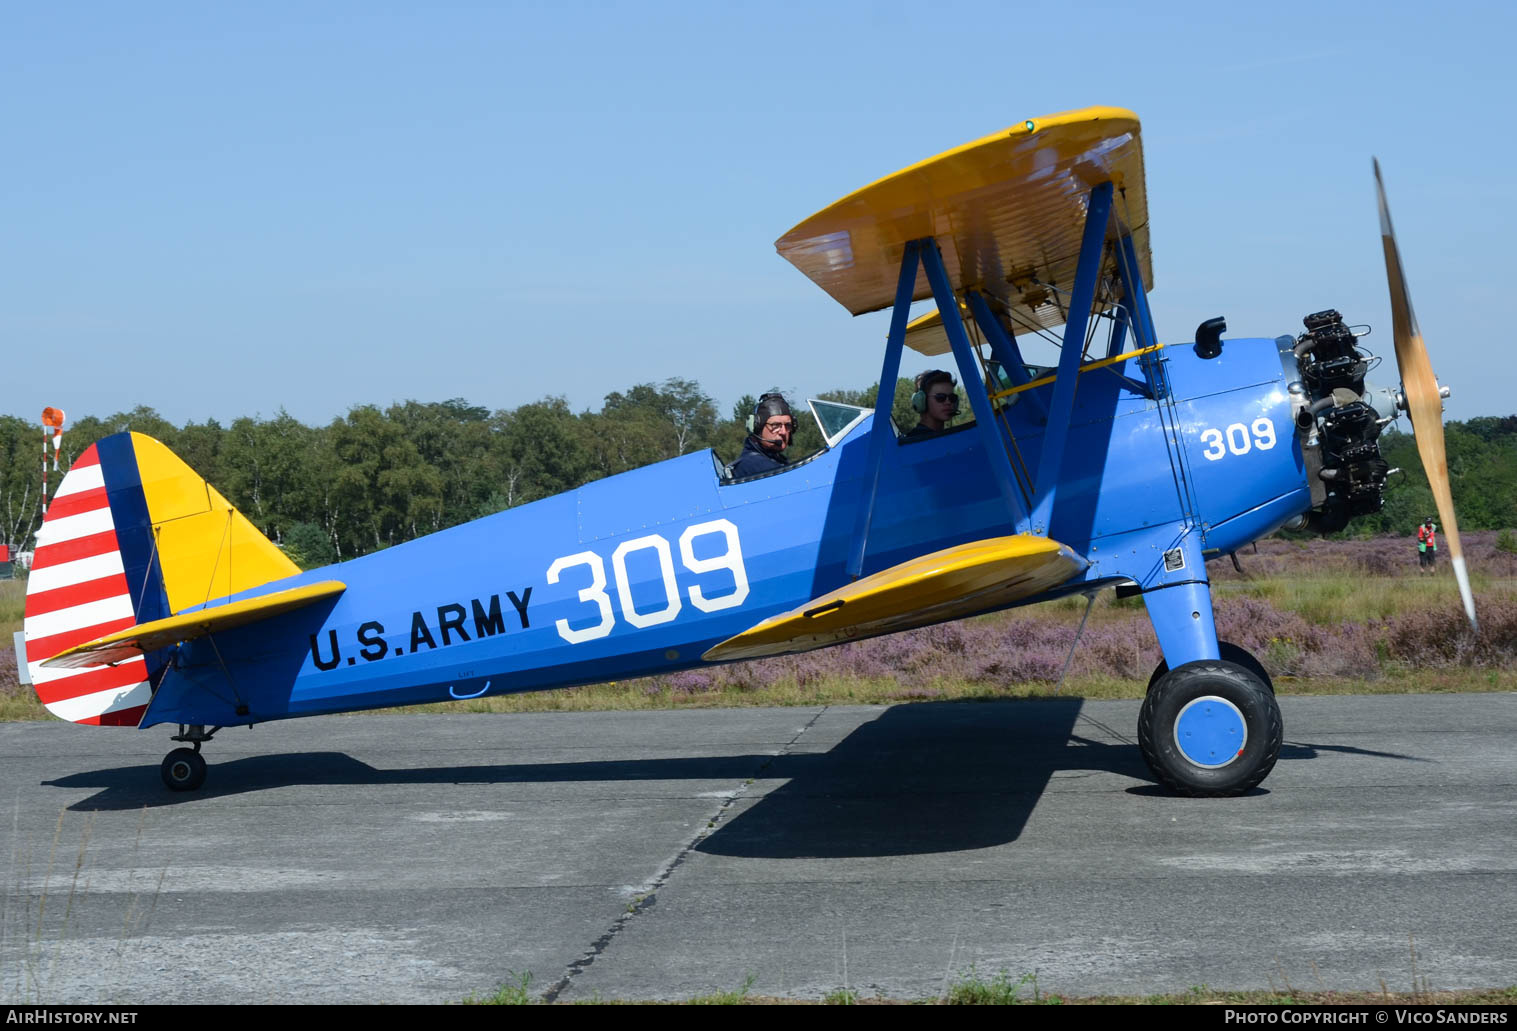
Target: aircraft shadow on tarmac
<point>922,778</point>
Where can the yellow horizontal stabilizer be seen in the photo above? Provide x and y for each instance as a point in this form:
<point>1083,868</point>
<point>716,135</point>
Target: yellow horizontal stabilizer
<point>147,637</point>
<point>947,584</point>
<point>1007,211</point>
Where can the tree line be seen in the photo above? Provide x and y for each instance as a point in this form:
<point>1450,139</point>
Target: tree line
<point>377,477</point>
<point>1482,461</point>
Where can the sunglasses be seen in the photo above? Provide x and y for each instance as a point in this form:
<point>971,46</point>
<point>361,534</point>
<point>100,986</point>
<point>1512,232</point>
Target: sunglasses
<point>941,398</point>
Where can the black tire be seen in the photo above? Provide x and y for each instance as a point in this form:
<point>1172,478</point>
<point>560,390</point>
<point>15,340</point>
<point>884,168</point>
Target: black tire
<point>1229,652</point>
<point>183,769</point>
<point>1235,694</point>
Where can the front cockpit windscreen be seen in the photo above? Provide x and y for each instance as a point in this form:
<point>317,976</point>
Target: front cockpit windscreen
<point>835,419</point>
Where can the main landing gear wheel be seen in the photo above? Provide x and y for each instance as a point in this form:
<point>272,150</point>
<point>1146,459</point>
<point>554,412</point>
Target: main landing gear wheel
<point>1230,653</point>
<point>1209,729</point>
<point>183,769</point>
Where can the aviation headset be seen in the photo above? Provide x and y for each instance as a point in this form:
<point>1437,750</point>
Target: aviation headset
<point>927,379</point>
<point>768,405</point>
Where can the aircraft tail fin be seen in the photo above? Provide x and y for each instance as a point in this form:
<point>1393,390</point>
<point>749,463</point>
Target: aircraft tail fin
<point>133,536</point>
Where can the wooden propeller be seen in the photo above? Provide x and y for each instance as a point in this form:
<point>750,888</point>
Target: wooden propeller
<point>1424,403</point>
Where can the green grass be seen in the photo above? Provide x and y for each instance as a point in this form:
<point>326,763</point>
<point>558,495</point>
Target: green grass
<point>1350,599</point>
<point>517,991</point>
<point>12,606</point>
<point>969,989</point>
<point>734,998</point>
<point>1321,599</point>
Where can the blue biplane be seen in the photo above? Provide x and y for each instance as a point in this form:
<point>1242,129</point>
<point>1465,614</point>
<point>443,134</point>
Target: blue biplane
<point>153,601</point>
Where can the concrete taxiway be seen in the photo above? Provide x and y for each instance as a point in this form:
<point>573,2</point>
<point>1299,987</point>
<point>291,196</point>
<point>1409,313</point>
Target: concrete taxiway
<point>660,855</point>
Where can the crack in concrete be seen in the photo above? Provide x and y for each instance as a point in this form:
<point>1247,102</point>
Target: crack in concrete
<point>649,899</point>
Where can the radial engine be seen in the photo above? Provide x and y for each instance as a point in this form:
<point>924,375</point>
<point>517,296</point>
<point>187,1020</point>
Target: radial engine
<point>1339,416</point>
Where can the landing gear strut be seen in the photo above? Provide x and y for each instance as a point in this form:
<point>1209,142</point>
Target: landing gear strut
<point>183,769</point>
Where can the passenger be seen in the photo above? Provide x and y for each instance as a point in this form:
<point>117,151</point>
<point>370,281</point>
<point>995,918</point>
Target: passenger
<point>770,429</point>
<point>936,401</point>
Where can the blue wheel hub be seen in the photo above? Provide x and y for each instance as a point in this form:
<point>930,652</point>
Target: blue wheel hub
<point>1210,732</point>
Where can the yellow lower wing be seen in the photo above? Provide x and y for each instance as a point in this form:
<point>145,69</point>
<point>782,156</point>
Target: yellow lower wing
<point>147,637</point>
<point>947,584</point>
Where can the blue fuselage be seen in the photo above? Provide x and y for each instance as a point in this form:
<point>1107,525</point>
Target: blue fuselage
<point>641,573</point>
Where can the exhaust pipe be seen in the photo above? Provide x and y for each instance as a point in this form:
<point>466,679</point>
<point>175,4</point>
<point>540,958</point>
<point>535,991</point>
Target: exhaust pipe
<point>1209,337</point>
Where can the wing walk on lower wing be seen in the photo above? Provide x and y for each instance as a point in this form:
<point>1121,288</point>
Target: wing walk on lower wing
<point>946,584</point>
<point>159,633</point>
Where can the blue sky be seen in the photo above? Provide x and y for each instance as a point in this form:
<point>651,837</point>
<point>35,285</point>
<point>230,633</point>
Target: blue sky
<point>220,210</point>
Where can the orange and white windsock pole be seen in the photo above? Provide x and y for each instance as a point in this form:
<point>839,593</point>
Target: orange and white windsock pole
<point>52,429</point>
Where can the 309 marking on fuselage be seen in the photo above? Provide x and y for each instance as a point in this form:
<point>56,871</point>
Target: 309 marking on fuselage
<point>1237,439</point>
<point>604,618</point>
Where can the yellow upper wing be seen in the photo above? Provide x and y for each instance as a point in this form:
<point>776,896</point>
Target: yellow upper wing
<point>1007,211</point>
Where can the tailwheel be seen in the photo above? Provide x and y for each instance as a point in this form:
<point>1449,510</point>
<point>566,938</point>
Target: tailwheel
<point>183,769</point>
<point>1210,728</point>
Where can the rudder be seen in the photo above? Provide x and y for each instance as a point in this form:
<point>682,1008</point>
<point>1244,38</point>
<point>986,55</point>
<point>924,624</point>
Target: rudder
<point>133,535</point>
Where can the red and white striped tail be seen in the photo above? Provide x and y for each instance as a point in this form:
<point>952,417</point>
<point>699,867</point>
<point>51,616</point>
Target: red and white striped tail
<point>77,592</point>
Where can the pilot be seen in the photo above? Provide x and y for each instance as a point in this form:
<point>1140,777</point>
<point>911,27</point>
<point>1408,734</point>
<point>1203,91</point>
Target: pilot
<point>770,429</point>
<point>936,401</point>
